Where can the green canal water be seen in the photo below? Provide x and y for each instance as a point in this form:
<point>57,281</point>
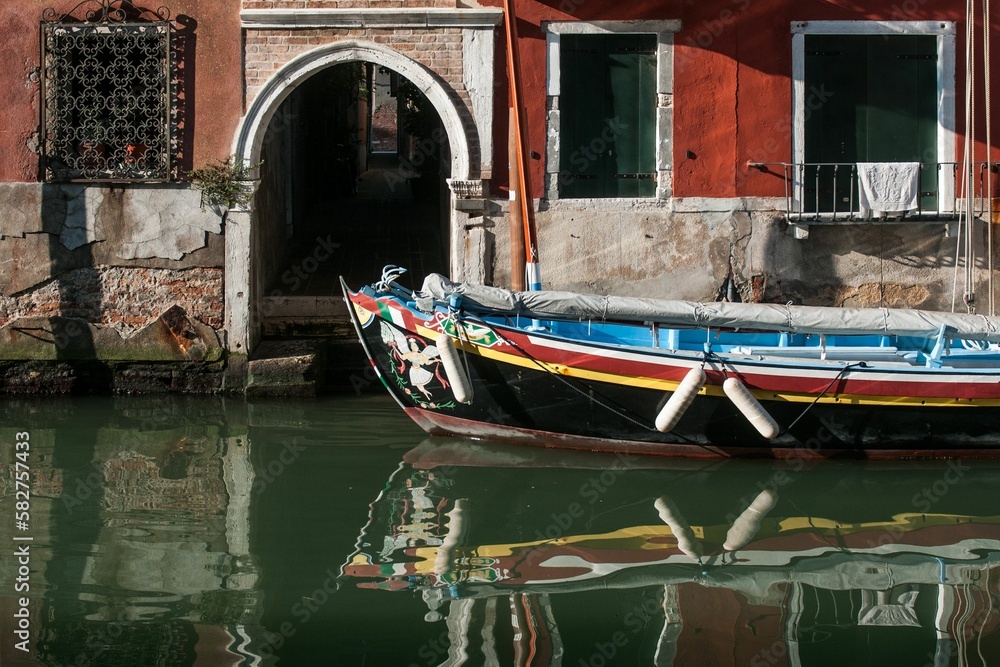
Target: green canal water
<point>210,531</point>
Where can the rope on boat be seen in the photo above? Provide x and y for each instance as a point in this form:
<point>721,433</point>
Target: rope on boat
<point>728,368</point>
<point>589,395</point>
<point>838,378</point>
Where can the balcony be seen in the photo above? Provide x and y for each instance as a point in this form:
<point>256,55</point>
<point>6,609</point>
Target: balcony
<point>825,193</point>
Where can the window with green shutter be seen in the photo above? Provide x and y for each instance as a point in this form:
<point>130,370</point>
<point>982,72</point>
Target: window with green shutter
<point>869,98</point>
<point>607,136</point>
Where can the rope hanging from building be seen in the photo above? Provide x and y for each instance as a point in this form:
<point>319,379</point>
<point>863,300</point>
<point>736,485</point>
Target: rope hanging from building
<point>965,249</point>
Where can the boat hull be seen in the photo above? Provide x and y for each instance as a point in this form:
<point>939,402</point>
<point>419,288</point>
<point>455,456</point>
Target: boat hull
<point>573,398</point>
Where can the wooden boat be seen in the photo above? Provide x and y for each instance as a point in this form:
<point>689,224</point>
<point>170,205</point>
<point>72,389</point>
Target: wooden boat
<point>674,377</point>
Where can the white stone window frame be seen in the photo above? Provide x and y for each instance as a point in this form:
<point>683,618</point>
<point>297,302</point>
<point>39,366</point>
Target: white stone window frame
<point>664,32</point>
<point>945,32</point>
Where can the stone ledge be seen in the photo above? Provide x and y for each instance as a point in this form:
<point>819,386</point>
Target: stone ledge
<point>53,377</point>
<point>287,368</point>
<point>266,19</point>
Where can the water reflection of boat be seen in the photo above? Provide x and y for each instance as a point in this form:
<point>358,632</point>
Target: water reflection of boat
<point>794,561</point>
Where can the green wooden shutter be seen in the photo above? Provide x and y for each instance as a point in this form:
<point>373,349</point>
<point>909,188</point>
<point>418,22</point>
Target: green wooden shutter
<point>869,98</point>
<point>608,116</point>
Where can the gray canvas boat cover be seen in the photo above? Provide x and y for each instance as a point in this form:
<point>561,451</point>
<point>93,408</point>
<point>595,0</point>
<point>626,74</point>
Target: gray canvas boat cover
<point>757,316</point>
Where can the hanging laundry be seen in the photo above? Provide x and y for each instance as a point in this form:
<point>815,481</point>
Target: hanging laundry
<point>888,186</point>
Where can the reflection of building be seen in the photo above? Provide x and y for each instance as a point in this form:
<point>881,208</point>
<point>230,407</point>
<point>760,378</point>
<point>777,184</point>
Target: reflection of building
<point>141,536</point>
<point>859,579</point>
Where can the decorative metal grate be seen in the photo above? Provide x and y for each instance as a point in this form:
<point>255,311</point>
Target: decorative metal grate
<point>106,87</point>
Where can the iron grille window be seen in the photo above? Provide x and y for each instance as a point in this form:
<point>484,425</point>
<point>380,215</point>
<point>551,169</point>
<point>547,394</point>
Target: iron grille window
<point>106,96</point>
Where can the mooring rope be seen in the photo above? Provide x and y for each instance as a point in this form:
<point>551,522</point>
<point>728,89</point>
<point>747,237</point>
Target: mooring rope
<point>590,395</point>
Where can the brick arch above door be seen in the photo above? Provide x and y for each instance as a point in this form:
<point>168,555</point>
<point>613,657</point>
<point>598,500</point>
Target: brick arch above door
<point>457,125</point>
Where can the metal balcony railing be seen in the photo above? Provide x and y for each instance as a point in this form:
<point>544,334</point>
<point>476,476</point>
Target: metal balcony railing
<point>827,192</point>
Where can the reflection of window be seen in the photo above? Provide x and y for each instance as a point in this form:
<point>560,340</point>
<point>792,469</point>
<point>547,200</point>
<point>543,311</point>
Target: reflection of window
<point>106,110</point>
<point>607,135</point>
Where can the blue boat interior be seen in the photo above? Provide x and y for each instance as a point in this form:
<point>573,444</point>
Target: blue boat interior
<point>931,352</point>
<point>937,351</point>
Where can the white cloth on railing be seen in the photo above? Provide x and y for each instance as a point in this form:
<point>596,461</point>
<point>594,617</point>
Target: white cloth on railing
<point>888,186</point>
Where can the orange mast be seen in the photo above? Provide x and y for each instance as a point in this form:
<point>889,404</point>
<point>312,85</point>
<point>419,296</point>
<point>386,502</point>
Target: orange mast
<point>524,249</point>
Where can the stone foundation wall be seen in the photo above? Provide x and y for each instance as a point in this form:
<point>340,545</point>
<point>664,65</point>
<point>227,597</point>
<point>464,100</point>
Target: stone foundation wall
<point>116,256</point>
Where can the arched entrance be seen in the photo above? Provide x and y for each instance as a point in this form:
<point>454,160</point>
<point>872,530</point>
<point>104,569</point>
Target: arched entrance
<point>252,236</point>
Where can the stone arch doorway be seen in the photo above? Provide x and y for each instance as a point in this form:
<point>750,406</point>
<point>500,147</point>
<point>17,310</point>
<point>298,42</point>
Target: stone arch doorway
<point>256,257</point>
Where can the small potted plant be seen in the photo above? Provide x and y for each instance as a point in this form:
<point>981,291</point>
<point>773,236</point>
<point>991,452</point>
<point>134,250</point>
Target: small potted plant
<point>225,183</point>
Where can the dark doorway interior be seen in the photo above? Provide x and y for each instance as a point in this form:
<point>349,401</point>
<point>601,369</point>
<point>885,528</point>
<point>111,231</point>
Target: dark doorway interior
<point>346,205</point>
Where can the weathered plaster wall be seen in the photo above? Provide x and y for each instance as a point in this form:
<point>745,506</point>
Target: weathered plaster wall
<point>732,103</point>
<point>49,229</point>
<point>90,273</point>
<point>642,250</point>
<point>19,96</point>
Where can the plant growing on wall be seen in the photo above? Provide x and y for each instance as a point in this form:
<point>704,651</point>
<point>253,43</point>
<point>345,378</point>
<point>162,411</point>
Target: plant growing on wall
<point>227,183</point>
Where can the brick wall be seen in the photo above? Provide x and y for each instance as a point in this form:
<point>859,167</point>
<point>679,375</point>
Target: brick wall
<point>123,298</point>
<point>440,50</point>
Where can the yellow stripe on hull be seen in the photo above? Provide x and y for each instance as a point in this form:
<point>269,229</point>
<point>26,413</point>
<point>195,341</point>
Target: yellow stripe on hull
<point>711,390</point>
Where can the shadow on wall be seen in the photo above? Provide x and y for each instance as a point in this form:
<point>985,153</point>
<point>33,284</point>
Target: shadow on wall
<point>80,291</point>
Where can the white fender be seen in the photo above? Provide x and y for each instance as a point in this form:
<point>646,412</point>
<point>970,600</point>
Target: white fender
<point>747,524</point>
<point>454,538</point>
<point>670,515</point>
<point>751,408</point>
<point>680,400</point>
<point>461,385</point>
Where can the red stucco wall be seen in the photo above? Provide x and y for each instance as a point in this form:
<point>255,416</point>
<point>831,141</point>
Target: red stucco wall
<point>18,92</point>
<point>732,80</point>
<point>215,82</point>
